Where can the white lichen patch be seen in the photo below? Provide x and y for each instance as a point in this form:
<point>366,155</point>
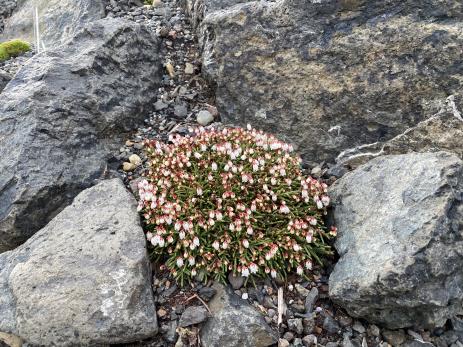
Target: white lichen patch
<point>114,302</point>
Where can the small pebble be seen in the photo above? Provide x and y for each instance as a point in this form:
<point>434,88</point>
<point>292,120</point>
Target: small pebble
<point>135,159</point>
<point>309,340</point>
<point>331,325</point>
<point>170,69</point>
<point>127,167</point>
<point>295,325</point>
<point>316,171</point>
<point>373,330</point>
<point>289,336</point>
<point>189,69</point>
<point>358,327</point>
<point>301,290</point>
<point>236,281</point>
<point>162,313</point>
<point>204,118</point>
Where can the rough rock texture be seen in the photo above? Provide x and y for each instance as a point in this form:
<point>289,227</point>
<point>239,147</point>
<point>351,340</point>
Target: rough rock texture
<point>61,115</point>
<point>59,20</point>
<point>84,279</point>
<point>4,79</point>
<point>198,9</point>
<point>6,8</point>
<point>441,132</point>
<point>400,222</point>
<point>331,75</point>
<point>234,323</point>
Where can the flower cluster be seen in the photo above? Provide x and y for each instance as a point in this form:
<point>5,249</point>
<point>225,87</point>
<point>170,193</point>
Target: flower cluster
<point>232,200</point>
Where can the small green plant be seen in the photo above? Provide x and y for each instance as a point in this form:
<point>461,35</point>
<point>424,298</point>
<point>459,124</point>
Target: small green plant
<point>3,54</point>
<point>13,48</point>
<point>232,200</point>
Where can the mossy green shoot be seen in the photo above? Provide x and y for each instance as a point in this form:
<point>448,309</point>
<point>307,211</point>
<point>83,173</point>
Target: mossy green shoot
<point>13,48</point>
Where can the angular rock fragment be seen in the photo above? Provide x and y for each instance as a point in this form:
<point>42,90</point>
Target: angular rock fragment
<point>400,223</point>
<point>234,323</point>
<point>84,279</point>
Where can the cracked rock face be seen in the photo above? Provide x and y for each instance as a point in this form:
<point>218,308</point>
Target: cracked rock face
<point>62,115</point>
<point>84,279</point>
<point>198,9</point>
<point>331,75</point>
<point>400,223</point>
<point>441,132</point>
<point>59,20</point>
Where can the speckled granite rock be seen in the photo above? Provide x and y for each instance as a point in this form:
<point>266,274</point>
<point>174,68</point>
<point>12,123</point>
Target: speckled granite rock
<point>84,279</point>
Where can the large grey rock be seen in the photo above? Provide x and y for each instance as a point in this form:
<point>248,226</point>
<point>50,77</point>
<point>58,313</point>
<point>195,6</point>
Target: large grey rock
<point>234,323</point>
<point>400,241</point>
<point>84,279</point>
<point>59,20</point>
<point>330,75</point>
<point>441,132</point>
<point>61,116</point>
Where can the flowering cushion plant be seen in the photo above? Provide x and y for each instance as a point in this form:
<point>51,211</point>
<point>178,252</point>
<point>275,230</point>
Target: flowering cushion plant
<point>232,200</point>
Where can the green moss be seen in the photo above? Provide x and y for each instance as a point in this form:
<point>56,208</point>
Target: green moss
<point>3,54</point>
<point>13,48</point>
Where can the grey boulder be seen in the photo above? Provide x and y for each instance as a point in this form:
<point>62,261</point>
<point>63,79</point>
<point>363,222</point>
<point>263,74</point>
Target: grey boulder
<point>332,75</point>
<point>84,279</point>
<point>234,323</point>
<point>441,132</point>
<point>62,115</point>
<point>400,240</point>
<point>59,20</point>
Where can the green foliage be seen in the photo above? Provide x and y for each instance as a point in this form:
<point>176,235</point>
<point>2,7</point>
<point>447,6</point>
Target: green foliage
<point>232,200</point>
<point>13,48</point>
<point>3,54</point>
